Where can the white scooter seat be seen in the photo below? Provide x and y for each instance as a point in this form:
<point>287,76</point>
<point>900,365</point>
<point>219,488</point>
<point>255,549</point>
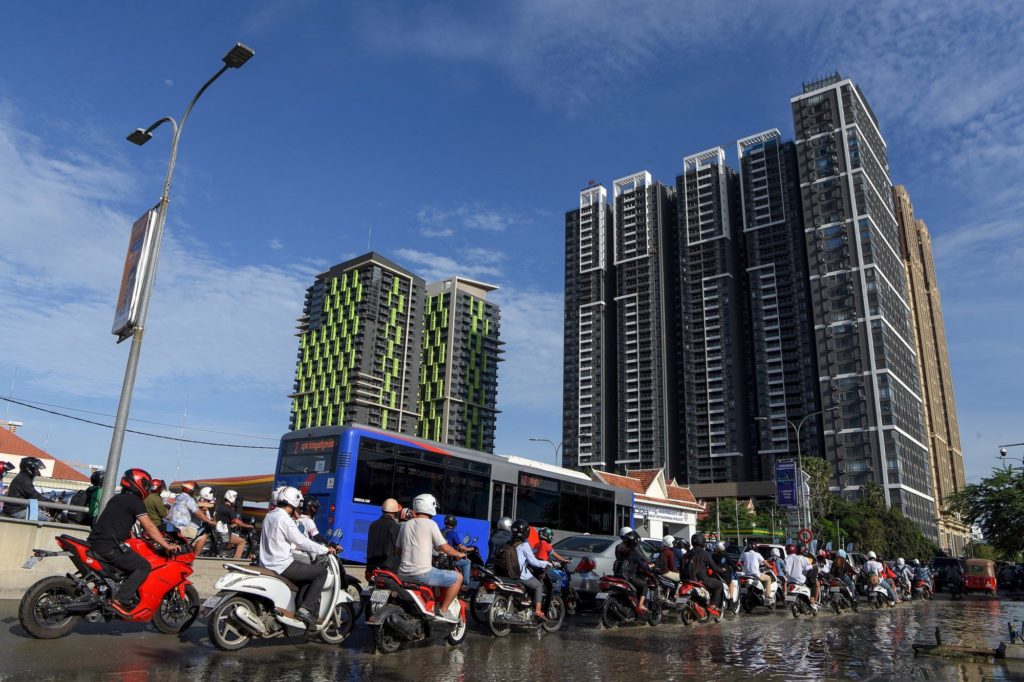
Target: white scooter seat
<point>260,570</point>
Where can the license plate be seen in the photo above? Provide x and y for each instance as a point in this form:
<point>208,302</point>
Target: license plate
<point>31,561</point>
<point>380,596</point>
<point>485,598</point>
<point>790,598</point>
<point>682,600</point>
<point>601,595</point>
<point>835,589</point>
<point>211,602</point>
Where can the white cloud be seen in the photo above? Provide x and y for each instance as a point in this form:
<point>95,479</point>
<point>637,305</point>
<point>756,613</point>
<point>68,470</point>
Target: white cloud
<point>275,245</point>
<point>473,263</point>
<point>169,82</point>
<point>438,222</point>
<point>531,327</point>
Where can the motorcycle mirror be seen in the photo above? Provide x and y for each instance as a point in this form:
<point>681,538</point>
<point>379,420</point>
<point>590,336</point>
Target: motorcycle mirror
<point>466,540</point>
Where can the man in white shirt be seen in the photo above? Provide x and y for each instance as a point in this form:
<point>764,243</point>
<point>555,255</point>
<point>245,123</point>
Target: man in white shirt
<point>796,566</point>
<point>753,564</point>
<point>874,567</point>
<point>417,540</point>
<point>279,534</point>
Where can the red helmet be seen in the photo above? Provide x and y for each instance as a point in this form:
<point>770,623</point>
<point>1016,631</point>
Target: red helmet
<point>157,485</point>
<point>790,549</point>
<point>189,487</point>
<point>823,554</point>
<point>406,514</point>
<point>137,481</point>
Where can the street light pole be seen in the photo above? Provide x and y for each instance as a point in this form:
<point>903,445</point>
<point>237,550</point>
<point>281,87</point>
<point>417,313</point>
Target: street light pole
<point>552,444</point>
<point>235,58</point>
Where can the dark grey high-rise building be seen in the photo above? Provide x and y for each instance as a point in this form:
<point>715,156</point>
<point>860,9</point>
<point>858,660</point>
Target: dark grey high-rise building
<point>589,415</point>
<point>644,282</point>
<point>782,330</point>
<point>715,353</point>
<point>867,360</point>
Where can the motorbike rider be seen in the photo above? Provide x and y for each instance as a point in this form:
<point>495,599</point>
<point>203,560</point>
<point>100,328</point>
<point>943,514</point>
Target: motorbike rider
<point>904,574</point>
<point>874,570</point>
<point>697,565</point>
<point>824,563</point>
<point>524,552</point>
<point>280,534</point>
<point>23,486</point>
<point>155,506</point>
<point>183,511</point>
<point>922,572</point>
<point>228,518</point>
<point>753,564</point>
<point>797,569</point>
<point>634,567</point>
<point>451,536</point>
<point>544,550</point>
<point>501,536</point>
<point>92,497</point>
<point>417,540</point>
<point>114,526</point>
<point>5,467</point>
<point>841,569</point>
<point>679,549</point>
<point>306,523</point>
<point>954,575</point>
<point>382,538</point>
<point>665,562</point>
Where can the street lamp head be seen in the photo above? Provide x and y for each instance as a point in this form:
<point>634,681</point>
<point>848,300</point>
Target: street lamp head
<point>1002,452</point>
<point>140,136</point>
<point>238,56</point>
<point>761,419</point>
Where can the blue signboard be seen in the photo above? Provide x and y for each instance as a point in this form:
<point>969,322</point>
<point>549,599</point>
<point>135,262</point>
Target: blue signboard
<point>785,483</point>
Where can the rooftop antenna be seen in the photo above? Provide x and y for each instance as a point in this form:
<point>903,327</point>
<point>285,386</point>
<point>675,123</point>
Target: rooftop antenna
<point>7,405</point>
<point>369,235</point>
<point>181,434</point>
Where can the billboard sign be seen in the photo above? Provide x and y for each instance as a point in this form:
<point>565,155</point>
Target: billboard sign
<point>785,483</point>
<point>136,264</point>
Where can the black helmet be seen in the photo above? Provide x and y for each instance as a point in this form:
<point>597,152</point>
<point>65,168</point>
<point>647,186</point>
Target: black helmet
<point>751,544</point>
<point>310,506</point>
<point>32,466</point>
<point>520,529</point>
<point>678,544</point>
<point>5,467</point>
<point>96,478</point>
<point>697,540</point>
<point>631,539</point>
<point>450,521</point>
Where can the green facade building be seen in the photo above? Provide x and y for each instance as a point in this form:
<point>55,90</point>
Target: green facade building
<point>359,347</point>
<point>459,364</point>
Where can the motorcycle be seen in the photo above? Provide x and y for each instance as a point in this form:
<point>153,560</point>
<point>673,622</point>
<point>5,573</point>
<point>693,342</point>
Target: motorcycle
<point>799,599</point>
<point>513,605</point>
<point>216,549</point>
<point>752,594</point>
<point>922,589</point>
<point>404,612</point>
<point>618,602</point>
<point>878,596</point>
<point>694,602</point>
<point>253,602</point>
<point>562,577</point>
<point>839,595</point>
<point>956,589</point>
<point>53,606</point>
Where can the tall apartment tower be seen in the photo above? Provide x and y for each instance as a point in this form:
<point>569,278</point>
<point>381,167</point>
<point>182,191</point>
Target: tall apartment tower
<point>644,281</point>
<point>715,357</point>
<point>785,372</point>
<point>947,458</point>
<point>589,377</point>
<point>359,347</point>
<point>459,364</point>
<point>867,362</point>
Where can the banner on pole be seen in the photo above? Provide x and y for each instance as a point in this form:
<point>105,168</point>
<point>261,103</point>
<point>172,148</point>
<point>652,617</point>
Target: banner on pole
<point>136,264</point>
<point>785,483</point>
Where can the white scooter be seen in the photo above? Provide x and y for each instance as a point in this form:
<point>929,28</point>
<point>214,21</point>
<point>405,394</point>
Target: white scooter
<point>253,602</point>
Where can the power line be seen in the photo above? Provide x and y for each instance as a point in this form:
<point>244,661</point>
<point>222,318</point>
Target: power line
<point>139,433</point>
<point>134,419</point>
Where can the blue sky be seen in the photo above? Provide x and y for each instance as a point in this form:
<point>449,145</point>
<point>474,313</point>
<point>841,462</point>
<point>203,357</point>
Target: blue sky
<point>460,134</point>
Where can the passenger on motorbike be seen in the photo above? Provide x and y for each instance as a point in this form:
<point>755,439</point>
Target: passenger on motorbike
<point>280,534</point>
<point>754,565</point>
<point>114,526</point>
<point>182,513</point>
<point>382,537</point>
<point>922,572</point>
<point>904,574</point>
<point>155,506</point>
<point>954,576</point>
<point>544,551</point>
<point>520,535</point>
<point>228,519</point>
<point>306,523</point>
<point>417,540</point>
<point>797,569</point>
<point>633,566</point>
<point>873,567</point>
<point>697,565</point>
<point>23,487</point>
<point>776,562</point>
<point>666,563</point>
<point>501,536</point>
<point>451,536</point>
<point>841,569</point>
<point>679,549</point>
<point>5,467</point>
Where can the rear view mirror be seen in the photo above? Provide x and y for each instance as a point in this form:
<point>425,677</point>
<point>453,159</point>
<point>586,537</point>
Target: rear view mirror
<point>466,539</point>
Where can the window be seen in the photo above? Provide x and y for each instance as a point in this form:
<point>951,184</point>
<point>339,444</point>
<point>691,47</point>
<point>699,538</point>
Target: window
<point>374,474</point>
<point>584,543</point>
<point>573,513</point>
<point>601,513</point>
<point>415,478</point>
<point>309,455</point>
<point>538,500</point>
<point>465,494</point>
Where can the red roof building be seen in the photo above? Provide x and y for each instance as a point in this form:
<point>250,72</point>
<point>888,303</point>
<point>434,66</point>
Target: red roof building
<point>660,507</point>
<point>56,474</point>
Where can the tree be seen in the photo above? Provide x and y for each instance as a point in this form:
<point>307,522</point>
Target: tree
<point>821,501</point>
<point>996,505</point>
<point>728,511</point>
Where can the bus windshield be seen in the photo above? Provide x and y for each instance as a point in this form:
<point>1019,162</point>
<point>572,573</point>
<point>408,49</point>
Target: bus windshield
<point>317,455</point>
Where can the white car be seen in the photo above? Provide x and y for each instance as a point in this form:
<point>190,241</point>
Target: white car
<point>590,557</point>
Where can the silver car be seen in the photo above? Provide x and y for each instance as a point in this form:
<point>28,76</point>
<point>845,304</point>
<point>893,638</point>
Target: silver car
<point>600,550</point>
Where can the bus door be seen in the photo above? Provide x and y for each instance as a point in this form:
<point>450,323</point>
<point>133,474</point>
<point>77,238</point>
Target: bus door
<point>503,501</point>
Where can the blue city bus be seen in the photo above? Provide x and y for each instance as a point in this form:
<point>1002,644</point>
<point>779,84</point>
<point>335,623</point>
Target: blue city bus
<point>353,469</point>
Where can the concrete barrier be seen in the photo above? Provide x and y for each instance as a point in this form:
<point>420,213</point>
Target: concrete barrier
<point>18,538</point>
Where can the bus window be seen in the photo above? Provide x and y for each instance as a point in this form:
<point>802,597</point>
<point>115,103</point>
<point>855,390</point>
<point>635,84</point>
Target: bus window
<point>309,455</point>
<point>415,478</point>
<point>465,494</point>
<point>601,516</point>
<point>573,513</point>
<point>374,473</point>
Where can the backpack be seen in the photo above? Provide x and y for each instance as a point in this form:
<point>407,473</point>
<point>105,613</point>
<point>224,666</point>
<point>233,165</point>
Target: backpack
<point>688,570</point>
<point>79,499</point>
<point>506,562</point>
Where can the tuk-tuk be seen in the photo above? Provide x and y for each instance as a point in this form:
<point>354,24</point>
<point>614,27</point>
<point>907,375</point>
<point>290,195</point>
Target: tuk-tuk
<point>980,576</point>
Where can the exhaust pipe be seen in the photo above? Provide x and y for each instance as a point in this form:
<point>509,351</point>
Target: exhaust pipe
<point>248,620</point>
<point>403,626</point>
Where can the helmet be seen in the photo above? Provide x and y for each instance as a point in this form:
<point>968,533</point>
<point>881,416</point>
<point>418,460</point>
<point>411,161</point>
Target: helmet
<point>520,529</point>
<point>157,485</point>
<point>310,506</point>
<point>450,521</point>
<point>751,543</point>
<point>631,539</point>
<point>425,504</point>
<point>405,514</point>
<point>391,506</point>
<point>915,562</point>
<point>900,562</point>
<point>5,467</point>
<point>679,543</point>
<point>546,534</point>
<point>822,554</point>
<point>842,553</point>
<point>624,530</point>
<point>230,496</point>
<point>720,547</point>
<point>504,523</point>
<point>189,487</point>
<point>668,540</point>
<point>31,465</point>
<point>287,496</point>
<point>95,479</point>
<point>137,481</point>
<point>790,549</point>
<point>206,493</point>
<point>697,540</point>
<point>775,553</point>
<point>871,555</point>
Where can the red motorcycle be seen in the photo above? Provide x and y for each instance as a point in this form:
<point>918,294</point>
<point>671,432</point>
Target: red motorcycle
<point>53,606</point>
<point>694,601</point>
<point>618,602</point>
<point>404,612</point>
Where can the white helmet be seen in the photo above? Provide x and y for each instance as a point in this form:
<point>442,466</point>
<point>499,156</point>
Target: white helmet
<point>289,496</point>
<point>624,530</point>
<point>871,555</point>
<point>776,553</point>
<point>230,496</point>
<point>206,494</point>
<point>668,540</point>
<point>900,562</point>
<point>720,546</point>
<point>505,523</point>
<point>425,504</point>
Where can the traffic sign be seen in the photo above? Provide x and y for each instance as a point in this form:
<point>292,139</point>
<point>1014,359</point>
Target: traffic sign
<point>805,536</point>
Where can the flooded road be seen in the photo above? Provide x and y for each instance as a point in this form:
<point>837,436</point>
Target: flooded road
<point>865,646</point>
